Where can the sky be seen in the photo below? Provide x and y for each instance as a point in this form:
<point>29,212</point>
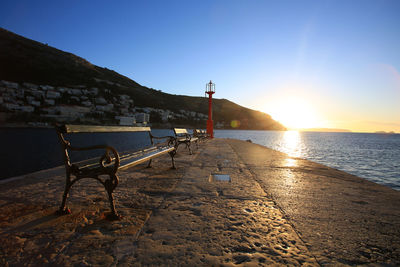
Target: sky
<point>309,64</point>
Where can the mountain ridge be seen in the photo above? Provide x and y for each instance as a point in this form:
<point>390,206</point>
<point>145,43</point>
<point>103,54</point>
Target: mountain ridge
<point>26,60</point>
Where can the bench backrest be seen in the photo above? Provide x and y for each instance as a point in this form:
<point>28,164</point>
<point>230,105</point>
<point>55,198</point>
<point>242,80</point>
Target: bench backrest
<point>180,131</point>
<point>70,128</point>
<point>199,131</point>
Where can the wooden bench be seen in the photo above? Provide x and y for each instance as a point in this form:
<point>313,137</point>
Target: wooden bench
<point>109,160</point>
<point>200,134</point>
<point>183,137</point>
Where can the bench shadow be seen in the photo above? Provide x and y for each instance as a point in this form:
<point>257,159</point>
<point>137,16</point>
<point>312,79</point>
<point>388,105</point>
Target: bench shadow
<point>33,224</point>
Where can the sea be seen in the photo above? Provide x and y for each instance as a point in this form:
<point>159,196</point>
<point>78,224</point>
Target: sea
<point>375,157</point>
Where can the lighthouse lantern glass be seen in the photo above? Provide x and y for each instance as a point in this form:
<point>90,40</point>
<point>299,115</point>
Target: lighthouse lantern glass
<point>210,87</point>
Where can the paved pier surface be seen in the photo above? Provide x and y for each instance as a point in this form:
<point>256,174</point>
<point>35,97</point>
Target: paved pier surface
<point>276,210</point>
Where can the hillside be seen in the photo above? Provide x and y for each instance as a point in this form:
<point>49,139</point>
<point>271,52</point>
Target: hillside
<point>24,60</point>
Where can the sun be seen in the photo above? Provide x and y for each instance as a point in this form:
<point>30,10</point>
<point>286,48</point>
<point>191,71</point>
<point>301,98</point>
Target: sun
<point>293,112</point>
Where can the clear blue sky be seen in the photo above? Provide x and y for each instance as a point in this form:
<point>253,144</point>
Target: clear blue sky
<point>337,62</point>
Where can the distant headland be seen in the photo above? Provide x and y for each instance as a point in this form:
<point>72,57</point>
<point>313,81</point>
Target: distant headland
<point>331,130</point>
<point>383,132</point>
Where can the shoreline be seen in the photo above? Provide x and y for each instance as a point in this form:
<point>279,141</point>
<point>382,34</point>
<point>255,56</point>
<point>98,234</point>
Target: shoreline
<point>387,184</point>
<point>160,127</point>
<point>169,126</point>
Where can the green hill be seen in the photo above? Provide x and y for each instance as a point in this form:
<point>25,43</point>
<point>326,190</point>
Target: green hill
<point>25,60</point>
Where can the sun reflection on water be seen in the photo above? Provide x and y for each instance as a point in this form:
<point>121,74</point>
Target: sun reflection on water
<point>291,143</point>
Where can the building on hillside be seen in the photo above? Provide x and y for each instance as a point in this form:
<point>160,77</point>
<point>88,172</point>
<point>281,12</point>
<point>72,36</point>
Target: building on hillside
<point>53,94</point>
<point>11,106</point>
<point>46,87</point>
<point>165,116</point>
<point>101,101</point>
<point>77,92</point>
<point>10,84</point>
<point>28,109</point>
<point>72,111</point>
<point>142,118</point>
<point>30,86</point>
<point>219,125</point>
<point>126,121</point>
<point>49,102</point>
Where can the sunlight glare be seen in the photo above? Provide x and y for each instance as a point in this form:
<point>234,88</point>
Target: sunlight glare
<point>293,113</point>
<point>292,144</point>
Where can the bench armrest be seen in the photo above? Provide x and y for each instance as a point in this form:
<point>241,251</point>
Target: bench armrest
<point>106,158</point>
<point>184,135</point>
<point>190,136</point>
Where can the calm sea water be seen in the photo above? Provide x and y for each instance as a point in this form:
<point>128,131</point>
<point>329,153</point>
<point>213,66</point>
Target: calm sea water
<point>26,150</point>
<point>375,157</point>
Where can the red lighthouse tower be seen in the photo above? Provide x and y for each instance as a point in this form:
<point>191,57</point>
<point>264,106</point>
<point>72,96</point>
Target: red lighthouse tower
<point>210,90</point>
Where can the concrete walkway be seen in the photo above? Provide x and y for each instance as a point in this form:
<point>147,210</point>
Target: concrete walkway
<point>275,211</point>
<point>339,216</point>
<point>219,222</point>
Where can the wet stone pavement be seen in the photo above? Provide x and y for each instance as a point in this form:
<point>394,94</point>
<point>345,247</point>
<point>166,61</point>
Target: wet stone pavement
<point>170,217</point>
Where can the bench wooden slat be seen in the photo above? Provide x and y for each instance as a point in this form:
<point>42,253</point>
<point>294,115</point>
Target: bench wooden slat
<point>202,134</point>
<point>180,131</point>
<point>127,160</point>
<point>146,157</point>
<point>138,153</point>
<point>94,161</point>
<point>70,128</point>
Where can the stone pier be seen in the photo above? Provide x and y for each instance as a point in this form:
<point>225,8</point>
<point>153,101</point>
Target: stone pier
<point>273,210</point>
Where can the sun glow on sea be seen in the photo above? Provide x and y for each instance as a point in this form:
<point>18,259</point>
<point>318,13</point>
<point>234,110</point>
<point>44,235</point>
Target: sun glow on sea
<point>293,113</point>
<point>292,145</point>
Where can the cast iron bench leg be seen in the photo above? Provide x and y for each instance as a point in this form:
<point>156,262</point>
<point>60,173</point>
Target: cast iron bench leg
<point>172,154</point>
<point>63,209</point>
<point>110,185</point>
<point>189,147</point>
<point>149,165</point>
